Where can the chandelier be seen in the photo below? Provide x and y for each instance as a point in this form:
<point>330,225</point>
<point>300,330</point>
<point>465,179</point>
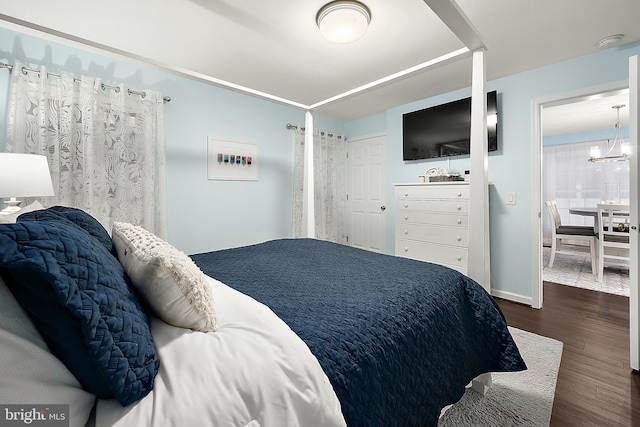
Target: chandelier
<point>624,150</point>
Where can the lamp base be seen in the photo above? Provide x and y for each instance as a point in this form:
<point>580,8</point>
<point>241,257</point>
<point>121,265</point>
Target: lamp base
<point>13,206</point>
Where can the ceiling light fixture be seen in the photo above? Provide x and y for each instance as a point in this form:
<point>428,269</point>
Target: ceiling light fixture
<point>625,149</point>
<point>343,21</point>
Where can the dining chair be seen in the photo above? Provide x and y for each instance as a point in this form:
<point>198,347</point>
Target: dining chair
<point>562,233</point>
<point>613,233</point>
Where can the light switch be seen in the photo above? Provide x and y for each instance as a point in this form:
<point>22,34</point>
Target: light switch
<point>511,198</point>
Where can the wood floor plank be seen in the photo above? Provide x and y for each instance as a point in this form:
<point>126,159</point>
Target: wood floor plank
<point>596,386</point>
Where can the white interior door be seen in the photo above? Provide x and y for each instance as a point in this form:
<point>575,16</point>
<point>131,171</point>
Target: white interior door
<point>634,166</point>
<point>366,194</point>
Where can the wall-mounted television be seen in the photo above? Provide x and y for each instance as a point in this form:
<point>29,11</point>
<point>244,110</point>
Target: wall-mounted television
<point>445,130</point>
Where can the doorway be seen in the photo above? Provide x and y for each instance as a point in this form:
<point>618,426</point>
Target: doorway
<point>537,166</point>
<point>570,130</point>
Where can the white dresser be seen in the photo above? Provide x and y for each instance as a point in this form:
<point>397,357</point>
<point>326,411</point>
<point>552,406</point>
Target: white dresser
<point>432,223</point>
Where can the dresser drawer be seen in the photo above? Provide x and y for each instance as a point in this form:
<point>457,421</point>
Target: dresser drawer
<point>459,219</point>
<point>440,254</point>
<point>434,192</point>
<point>433,234</point>
<point>442,206</point>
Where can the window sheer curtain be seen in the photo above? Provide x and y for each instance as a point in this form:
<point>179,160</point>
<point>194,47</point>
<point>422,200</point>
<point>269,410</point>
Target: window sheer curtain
<point>329,157</point>
<point>105,146</point>
<point>572,181</point>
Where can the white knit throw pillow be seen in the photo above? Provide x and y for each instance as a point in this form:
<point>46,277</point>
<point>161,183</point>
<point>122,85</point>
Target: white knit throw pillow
<point>166,279</point>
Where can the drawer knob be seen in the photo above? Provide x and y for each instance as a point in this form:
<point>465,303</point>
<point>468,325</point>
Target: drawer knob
<point>458,238</point>
<point>406,249</point>
<point>406,194</point>
<point>406,231</point>
<point>406,217</point>
<point>406,205</point>
<point>459,194</point>
<point>459,207</point>
<point>459,221</point>
<point>459,258</point>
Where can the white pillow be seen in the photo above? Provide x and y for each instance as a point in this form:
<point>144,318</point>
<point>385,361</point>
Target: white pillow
<point>166,279</point>
<point>11,218</point>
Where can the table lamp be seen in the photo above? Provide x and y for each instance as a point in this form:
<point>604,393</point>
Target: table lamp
<point>23,175</point>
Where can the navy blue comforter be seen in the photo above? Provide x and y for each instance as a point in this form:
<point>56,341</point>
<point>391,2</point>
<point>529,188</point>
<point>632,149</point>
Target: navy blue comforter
<point>399,339</point>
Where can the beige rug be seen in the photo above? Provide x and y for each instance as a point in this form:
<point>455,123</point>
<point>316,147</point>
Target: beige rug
<point>576,271</point>
<point>515,398</point>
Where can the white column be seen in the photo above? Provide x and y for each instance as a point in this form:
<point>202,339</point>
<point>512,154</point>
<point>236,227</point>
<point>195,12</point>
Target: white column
<point>479,257</point>
<point>308,189</point>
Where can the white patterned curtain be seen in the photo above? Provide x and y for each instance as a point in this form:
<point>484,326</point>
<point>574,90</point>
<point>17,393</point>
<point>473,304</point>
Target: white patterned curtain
<point>329,158</point>
<point>572,181</point>
<point>105,145</point>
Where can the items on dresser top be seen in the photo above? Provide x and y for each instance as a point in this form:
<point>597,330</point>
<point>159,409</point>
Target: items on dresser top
<point>442,175</point>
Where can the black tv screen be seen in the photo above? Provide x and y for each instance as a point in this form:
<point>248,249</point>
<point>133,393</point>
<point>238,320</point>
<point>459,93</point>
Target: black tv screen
<point>445,130</point>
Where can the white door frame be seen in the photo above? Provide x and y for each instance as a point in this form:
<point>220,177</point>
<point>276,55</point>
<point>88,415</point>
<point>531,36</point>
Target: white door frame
<point>536,172</point>
<point>634,170</point>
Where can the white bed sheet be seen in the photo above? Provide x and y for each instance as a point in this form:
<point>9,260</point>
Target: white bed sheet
<point>253,371</point>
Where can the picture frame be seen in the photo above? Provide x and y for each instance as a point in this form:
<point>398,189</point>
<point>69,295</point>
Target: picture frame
<point>232,160</point>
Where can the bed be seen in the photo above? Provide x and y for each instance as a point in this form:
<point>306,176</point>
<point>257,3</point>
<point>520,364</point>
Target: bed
<point>293,332</point>
<point>398,338</point>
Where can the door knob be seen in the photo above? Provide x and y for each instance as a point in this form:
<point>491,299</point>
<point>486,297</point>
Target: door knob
<point>383,208</point>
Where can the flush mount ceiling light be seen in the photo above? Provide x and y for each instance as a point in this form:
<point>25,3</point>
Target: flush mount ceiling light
<point>624,150</point>
<point>609,41</point>
<point>343,21</point>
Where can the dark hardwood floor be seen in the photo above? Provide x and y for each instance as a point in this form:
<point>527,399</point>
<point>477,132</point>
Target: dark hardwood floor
<point>596,386</point>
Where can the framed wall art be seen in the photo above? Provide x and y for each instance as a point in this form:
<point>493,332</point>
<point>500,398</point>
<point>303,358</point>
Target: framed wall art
<point>231,160</point>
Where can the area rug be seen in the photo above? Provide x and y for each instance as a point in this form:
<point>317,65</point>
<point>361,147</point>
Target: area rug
<point>515,398</point>
<point>575,271</point>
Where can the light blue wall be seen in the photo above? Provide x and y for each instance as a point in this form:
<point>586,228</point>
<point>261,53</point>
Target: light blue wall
<point>585,136</point>
<point>510,166</point>
<point>367,126</point>
<point>203,215</point>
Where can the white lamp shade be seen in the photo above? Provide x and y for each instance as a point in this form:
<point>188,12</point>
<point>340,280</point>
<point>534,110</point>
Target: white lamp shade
<point>343,21</point>
<point>24,175</point>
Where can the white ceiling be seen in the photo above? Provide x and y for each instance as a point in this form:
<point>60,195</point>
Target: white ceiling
<point>595,112</point>
<point>274,47</point>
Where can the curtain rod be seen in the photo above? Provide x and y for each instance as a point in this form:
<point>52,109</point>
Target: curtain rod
<point>290,126</point>
<point>102,85</point>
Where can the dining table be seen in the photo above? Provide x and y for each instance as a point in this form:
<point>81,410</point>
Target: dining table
<point>592,211</point>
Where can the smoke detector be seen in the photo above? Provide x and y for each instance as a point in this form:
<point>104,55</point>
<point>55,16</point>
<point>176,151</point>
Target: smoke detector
<point>609,41</point>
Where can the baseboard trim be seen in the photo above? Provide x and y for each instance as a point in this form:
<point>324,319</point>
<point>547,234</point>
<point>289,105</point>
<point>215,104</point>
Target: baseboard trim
<point>512,297</point>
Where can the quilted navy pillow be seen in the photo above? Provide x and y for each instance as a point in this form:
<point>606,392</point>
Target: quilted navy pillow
<point>78,217</point>
<point>78,296</point>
